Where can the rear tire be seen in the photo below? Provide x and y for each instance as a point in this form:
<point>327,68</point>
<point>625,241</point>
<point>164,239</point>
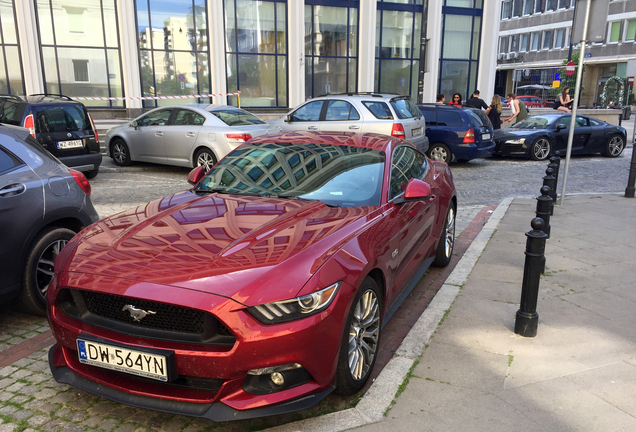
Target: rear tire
<point>120,152</point>
<point>446,243</point>
<point>38,271</point>
<point>440,152</point>
<point>615,146</point>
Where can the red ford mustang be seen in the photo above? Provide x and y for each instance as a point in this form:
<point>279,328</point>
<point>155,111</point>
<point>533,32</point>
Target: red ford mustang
<point>261,289</point>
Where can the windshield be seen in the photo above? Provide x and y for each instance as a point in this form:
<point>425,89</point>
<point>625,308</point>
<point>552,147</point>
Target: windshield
<point>236,117</point>
<point>343,176</point>
<point>536,122</point>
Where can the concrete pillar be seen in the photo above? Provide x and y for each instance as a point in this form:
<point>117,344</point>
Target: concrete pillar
<point>487,69</point>
<point>296,52</point>
<point>433,51</point>
<point>29,47</point>
<point>216,39</point>
<point>129,54</point>
<point>366,37</point>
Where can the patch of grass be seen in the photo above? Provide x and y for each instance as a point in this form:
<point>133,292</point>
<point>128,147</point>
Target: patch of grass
<point>402,386</point>
<point>510,359</point>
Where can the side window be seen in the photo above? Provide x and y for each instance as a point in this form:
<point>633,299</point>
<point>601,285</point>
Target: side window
<point>404,108</point>
<point>157,118</point>
<point>448,118</point>
<point>564,121</point>
<point>341,110</point>
<point>581,121</point>
<point>380,110</point>
<point>189,118</point>
<point>7,161</point>
<point>475,121</point>
<point>11,114</point>
<point>430,115</point>
<point>407,164</point>
<point>308,112</point>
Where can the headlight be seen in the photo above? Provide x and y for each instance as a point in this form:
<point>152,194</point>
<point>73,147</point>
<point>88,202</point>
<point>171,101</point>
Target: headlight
<point>296,308</point>
<point>518,141</point>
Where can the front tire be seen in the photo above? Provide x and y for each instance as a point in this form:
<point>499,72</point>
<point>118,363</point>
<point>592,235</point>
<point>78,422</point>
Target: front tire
<point>204,157</point>
<point>120,153</point>
<point>361,340</point>
<point>38,271</point>
<point>540,149</point>
<point>440,152</point>
<point>615,146</point>
<point>446,243</point>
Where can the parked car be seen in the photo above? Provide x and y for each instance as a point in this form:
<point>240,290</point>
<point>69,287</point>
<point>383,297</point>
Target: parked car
<point>539,136</point>
<point>386,114</point>
<point>263,287</point>
<point>457,133</point>
<point>184,135</point>
<point>60,124</point>
<point>43,205</point>
<point>504,102</point>
<point>535,102</point>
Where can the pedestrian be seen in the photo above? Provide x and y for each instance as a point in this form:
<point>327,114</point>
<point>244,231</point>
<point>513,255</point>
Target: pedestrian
<point>457,100</point>
<point>519,110</point>
<point>494,112</point>
<point>475,101</point>
<point>563,101</point>
<point>441,98</point>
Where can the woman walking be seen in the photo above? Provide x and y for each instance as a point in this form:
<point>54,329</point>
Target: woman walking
<point>494,112</point>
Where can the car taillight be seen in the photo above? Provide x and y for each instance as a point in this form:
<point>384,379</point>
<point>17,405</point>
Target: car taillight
<point>469,137</point>
<point>238,138</point>
<point>28,123</point>
<point>94,128</point>
<point>398,130</point>
<point>81,180</point>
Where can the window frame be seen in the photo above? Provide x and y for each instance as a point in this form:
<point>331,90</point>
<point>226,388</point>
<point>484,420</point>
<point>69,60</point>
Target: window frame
<point>610,25</point>
<point>538,39</point>
<point>352,107</point>
<point>543,40</point>
<point>633,39</point>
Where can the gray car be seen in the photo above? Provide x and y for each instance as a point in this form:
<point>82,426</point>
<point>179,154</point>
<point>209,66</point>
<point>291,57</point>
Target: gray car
<point>43,205</point>
<point>184,135</point>
<point>386,114</point>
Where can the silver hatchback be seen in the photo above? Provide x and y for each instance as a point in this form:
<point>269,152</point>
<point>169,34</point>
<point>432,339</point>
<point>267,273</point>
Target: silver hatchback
<point>386,114</point>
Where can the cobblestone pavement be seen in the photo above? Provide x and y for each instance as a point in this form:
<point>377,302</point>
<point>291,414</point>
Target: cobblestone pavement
<point>30,400</point>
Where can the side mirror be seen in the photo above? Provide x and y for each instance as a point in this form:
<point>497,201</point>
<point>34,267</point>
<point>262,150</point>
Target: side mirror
<point>416,190</point>
<point>196,175</point>
<point>560,127</point>
<point>287,118</point>
<point>134,124</point>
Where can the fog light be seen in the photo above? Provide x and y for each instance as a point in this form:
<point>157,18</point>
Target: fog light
<point>278,378</point>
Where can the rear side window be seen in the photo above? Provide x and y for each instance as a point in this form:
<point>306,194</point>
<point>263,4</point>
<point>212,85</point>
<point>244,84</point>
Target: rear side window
<point>236,117</point>
<point>475,121</point>
<point>308,112</point>
<point>341,110</point>
<point>8,161</point>
<point>11,113</point>
<point>404,108</point>
<point>66,118</point>
<point>188,118</point>
<point>430,115</point>
<point>380,110</point>
<point>448,118</point>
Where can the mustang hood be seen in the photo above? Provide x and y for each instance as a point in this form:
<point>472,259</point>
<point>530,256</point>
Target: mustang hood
<point>227,245</point>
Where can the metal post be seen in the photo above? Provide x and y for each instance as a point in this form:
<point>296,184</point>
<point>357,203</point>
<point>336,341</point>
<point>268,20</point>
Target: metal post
<point>577,92</point>
<point>550,181</point>
<point>527,319</point>
<point>629,190</point>
<point>555,164</point>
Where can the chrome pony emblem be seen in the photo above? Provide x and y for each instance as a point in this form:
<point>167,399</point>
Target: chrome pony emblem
<point>137,314</point>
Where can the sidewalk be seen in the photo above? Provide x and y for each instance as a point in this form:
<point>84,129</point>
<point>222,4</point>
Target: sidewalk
<point>578,374</point>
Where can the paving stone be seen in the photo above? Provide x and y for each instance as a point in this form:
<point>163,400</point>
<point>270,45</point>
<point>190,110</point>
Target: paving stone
<point>77,416</point>
<point>63,397</point>
<point>19,332</point>
<point>21,373</point>
<point>79,403</point>
<point>23,414</point>
<point>45,394</point>
<point>36,378</point>
<point>5,396</point>
<point>5,382</point>
<point>126,427</point>
<point>4,347</point>
<point>7,427</point>
<point>46,407</point>
<point>109,424</point>
<point>29,390</point>
<point>22,362</point>
<point>174,425</point>
<point>53,425</point>
<point>63,412</point>
<point>73,428</point>
<point>8,409</point>
<point>4,336</point>
<point>7,370</point>
<point>20,399</point>
<point>30,335</point>
<point>15,340</point>
<point>102,408</point>
<point>40,366</point>
<point>15,387</point>
<point>93,420</point>
<point>123,412</point>
<point>38,420</point>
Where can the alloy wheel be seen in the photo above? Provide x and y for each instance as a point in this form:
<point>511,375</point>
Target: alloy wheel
<point>119,153</point>
<point>44,270</point>
<point>541,149</point>
<point>449,241</point>
<point>363,335</point>
<point>616,146</point>
<point>206,160</point>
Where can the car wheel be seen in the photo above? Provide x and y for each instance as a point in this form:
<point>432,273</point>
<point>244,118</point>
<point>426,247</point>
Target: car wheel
<point>540,149</point>
<point>204,157</point>
<point>38,271</point>
<point>440,152</point>
<point>446,240</point>
<point>615,146</point>
<point>360,342</point>
<point>120,153</point>
<point>91,174</point>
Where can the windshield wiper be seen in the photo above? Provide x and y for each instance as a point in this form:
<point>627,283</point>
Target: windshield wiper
<point>306,199</point>
<point>212,190</point>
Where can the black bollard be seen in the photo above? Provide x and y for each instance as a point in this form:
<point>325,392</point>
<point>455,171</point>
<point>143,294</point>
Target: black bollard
<point>555,164</point>
<point>527,319</point>
<point>550,181</point>
<point>631,181</point>
<point>543,208</point>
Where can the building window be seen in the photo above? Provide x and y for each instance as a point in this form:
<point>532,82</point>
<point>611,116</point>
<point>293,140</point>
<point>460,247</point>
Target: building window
<point>11,73</point>
<point>513,45</point>
<point>534,41</point>
<point>73,35</point>
<point>614,31</point>
<point>503,44</point>
<point>538,6</point>
<point>506,10</point>
<point>331,47</point>
<point>547,40</point>
<point>528,5</point>
<point>397,48</point>
<point>523,44</point>
<point>630,32</point>
<point>563,4</point>
<point>550,5</point>
<point>256,52</point>
<point>517,8</point>
<point>559,38</point>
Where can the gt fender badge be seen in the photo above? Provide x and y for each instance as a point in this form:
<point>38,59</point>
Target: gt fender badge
<point>137,314</point>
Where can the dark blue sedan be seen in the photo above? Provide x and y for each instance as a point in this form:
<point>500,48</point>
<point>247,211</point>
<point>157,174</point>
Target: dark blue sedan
<point>539,136</point>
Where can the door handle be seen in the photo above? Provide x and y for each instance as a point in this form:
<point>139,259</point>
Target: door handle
<point>190,134</point>
<point>158,133</point>
<point>312,128</point>
<point>354,127</point>
<point>12,189</point>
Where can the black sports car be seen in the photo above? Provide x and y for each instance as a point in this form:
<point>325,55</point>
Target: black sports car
<point>539,136</point>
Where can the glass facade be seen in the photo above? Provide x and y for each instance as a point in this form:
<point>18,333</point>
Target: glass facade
<point>173,49</point>
<point>256,52</point>
<point>461,33</point>
<point>397,47</point>
<point>331,47</point>
<point>11,75</point>
<point>80,49</point>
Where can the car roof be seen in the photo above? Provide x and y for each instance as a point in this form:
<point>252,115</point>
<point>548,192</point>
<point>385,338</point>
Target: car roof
<point>363,95</point>
<point>451,107</point>
<point>364,140</point>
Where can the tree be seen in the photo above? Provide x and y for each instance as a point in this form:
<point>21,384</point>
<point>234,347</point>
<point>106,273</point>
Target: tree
<point>568,81</point>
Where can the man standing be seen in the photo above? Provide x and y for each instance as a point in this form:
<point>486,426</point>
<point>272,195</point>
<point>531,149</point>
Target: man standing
<point>475,102</point>
<point>441,98</point>
<point>519,110</point>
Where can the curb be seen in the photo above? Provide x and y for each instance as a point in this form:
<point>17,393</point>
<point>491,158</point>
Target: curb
<point>380,395</point>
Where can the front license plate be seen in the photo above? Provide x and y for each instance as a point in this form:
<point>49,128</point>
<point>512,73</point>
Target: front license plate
<point>123,360</point>
<point>416,132</point>
<point>70,144</point>
<point>485,136</point>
